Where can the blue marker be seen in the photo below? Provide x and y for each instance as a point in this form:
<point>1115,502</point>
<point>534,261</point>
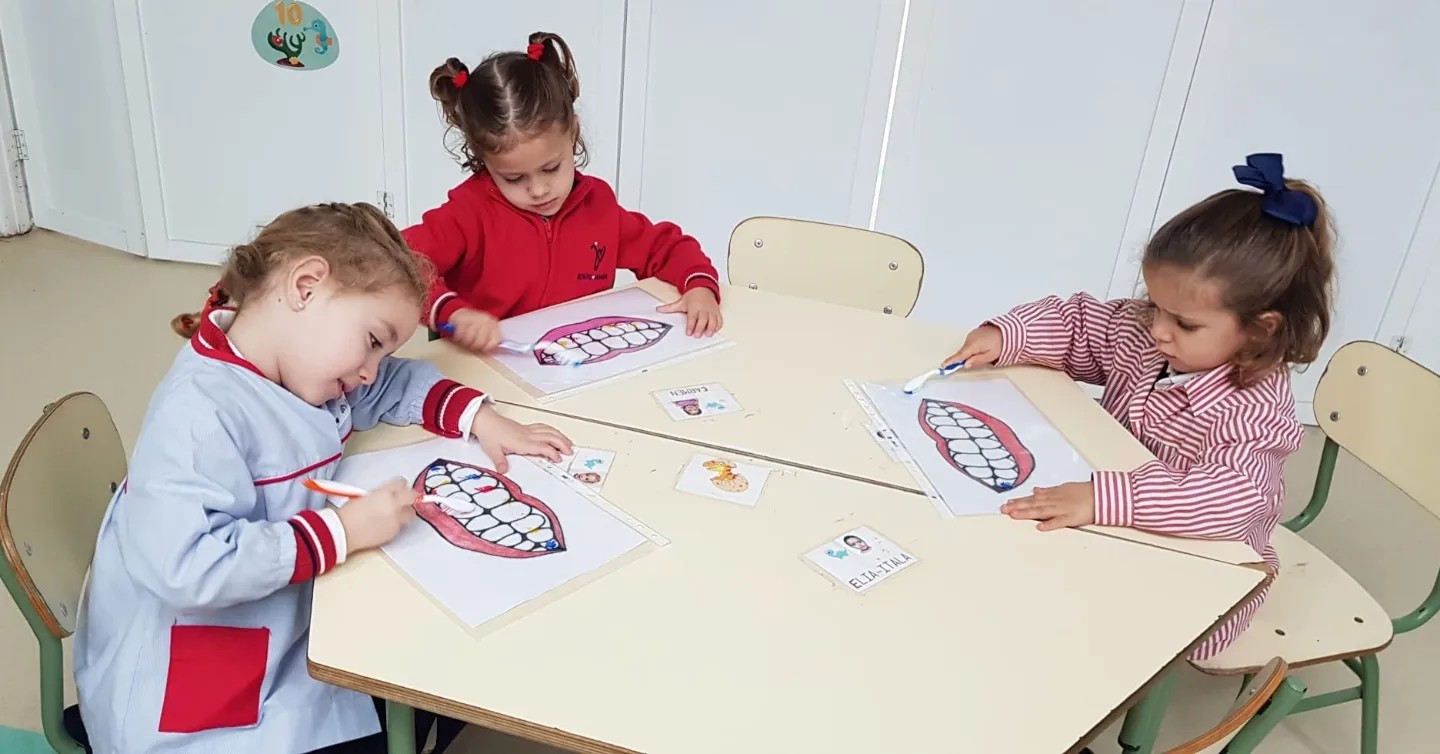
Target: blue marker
<point>447,328</point>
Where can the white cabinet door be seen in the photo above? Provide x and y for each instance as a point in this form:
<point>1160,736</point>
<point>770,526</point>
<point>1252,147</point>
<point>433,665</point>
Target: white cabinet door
<point>1346,91</point>
<point>63,61</point>
<point>226,140</point>
<point>1018,135</point>
<point>1422,332</point>
<point>754,107</point>
<point>438,29</point>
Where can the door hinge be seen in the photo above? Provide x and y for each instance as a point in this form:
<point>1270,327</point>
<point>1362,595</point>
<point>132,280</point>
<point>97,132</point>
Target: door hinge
<point>387,203</point>
<point>17,138</point>
<point>1398,343</point>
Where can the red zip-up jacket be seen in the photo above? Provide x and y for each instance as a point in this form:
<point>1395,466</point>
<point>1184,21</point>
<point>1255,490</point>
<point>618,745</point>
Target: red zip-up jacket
<point>490,255</point>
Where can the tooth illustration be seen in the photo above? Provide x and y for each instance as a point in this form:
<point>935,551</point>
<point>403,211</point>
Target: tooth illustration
<point>599,339</point>
<point>977,444</point>
<point>486,512</point>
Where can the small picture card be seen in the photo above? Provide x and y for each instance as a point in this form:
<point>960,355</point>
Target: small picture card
<point>589,466</point>
<point>723,479</point>
<point>693,402</point>
<point>861,558</point>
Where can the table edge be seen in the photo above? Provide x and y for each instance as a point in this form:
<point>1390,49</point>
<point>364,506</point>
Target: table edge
<point>472,715</point>
<point>1145,688</point>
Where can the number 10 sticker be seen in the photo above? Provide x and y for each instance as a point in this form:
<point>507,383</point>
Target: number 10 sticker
<point>291,34</point>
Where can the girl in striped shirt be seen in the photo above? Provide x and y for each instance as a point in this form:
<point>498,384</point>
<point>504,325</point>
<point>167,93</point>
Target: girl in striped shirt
<point>1239,287</point>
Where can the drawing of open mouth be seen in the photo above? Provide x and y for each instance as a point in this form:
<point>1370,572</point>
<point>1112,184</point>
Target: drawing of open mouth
<point>486,512</point>
<point>599,339</point>
<point>977,444</point>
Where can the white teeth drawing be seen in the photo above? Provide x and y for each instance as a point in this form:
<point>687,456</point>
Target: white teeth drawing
<point>598,339</point>
<point>486,512</point>
<point>976,444</point>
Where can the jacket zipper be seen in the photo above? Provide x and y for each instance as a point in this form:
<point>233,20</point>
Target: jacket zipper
<point>549,225</point>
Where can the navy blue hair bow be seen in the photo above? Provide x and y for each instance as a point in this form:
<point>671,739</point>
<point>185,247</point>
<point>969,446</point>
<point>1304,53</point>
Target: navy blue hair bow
<point>1266,171</point>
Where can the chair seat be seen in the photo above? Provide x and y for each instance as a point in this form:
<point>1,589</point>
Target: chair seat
<point>1315,612</point>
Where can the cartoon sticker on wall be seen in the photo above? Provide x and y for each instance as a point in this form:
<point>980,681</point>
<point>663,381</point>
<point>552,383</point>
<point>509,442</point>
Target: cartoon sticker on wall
<point>294,35</point>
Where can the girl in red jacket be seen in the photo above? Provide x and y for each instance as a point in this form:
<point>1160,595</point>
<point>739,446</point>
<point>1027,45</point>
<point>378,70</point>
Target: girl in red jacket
<point>527,230</point>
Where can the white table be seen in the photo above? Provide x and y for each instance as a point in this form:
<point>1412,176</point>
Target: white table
<point>797,409</point>
<point>1001,639</point>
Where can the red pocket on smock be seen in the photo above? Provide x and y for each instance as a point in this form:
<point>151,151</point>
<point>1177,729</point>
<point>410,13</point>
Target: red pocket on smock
<point>214,679</point>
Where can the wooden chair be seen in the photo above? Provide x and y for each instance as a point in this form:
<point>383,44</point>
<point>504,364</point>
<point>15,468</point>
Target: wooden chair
<point>1384,409</point>
<point>1262,704</point>
<point>52,499</point>
<point>832,263</point>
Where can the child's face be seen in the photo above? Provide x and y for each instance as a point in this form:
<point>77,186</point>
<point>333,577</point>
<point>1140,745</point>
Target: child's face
<point>335,343</point>
<point>536,174</point>
<point>1190,326</point>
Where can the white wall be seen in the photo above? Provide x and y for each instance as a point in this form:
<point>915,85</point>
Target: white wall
<point>1030,147</point>
<point>63,61</point>
<point>1018,133</point>
<point>755,107</point>
<point>1342,90</point>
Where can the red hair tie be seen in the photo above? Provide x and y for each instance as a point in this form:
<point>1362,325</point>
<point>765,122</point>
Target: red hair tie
<point>460,78</point>
<point>535,50</point>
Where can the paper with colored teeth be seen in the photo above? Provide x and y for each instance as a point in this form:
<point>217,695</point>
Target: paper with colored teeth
<point>609,335</point>
<point>498,541</point>
<point>977,442</point>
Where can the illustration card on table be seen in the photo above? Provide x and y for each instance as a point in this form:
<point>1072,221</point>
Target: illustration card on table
<point>978,442</point>
<point>861,558</point>
<point>589,466</point>
<point>723,479</point>
<point>695,401</point>
<point>496,541</point>
<point>582,342</point>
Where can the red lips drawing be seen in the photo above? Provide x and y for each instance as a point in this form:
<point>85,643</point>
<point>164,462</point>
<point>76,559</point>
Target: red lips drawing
<point>977,444</point>
<point>599,339</point>
<point>486,512</point>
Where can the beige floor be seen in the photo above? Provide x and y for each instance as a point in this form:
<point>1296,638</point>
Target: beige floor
<point>77,317</point>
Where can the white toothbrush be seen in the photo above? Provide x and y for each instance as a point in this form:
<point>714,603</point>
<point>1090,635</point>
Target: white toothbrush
<point>563,356</point>
<point>919,382</point>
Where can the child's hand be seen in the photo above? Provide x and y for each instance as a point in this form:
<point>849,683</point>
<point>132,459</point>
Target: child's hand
<point>981,348</point>
<point>1070,504</point>
<point>702,311</point>
<point>499,435</point>
<point>475,330</point>
<point>375,519</point>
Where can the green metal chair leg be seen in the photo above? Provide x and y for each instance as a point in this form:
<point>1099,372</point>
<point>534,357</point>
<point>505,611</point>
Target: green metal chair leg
<point>1369,705</point>
<point>1142,722</point>
<point>399,728</point>
<point>1281,703</point>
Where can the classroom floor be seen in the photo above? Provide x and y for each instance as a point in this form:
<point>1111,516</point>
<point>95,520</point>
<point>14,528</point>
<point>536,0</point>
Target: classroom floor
<point>74,316</point>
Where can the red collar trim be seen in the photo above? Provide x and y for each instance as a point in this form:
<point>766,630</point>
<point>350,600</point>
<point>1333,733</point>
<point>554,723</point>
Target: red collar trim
<point>211,342</point>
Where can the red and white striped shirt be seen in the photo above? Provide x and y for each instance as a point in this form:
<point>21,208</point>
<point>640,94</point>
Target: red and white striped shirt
<point>1220,449</point>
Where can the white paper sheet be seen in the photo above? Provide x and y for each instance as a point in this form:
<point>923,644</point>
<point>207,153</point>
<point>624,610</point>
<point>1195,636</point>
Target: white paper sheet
<point>617,333</point>
<point>979,442</point>
<point>535,533</point>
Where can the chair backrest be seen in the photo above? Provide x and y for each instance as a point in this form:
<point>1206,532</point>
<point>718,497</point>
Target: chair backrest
<point>1251,700</point>
<point>822,262</point>
<point>52,500</point>
<point>1385,410</point>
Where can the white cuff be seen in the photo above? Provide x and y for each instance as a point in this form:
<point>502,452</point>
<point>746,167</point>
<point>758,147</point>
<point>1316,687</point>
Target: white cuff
<point>337,532</point>
<point>467,417</point>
